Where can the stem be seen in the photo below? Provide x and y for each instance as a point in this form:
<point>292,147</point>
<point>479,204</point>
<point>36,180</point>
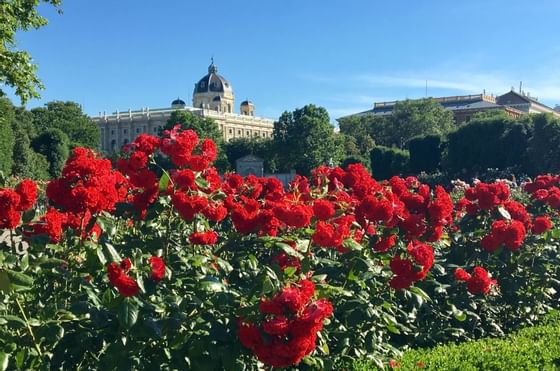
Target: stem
<point>12,241</point>
<point>29,328</point>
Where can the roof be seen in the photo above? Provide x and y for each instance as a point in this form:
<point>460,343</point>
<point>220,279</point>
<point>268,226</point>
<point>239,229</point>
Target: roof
<point>456,103</point>
<point>212,82</point>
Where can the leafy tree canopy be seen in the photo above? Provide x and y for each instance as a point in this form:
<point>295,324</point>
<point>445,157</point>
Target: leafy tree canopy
<point>16,68</point>
<point>305,139</point>
<point>69,118</point>
<point>7,117</point>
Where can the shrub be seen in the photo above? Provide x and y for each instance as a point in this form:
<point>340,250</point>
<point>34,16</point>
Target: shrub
<point>543,146</point>
<point>387,161</point>
<point>425,153</point>
<point>536,348</point>
<point>155,264</point>
<point>486,143</point>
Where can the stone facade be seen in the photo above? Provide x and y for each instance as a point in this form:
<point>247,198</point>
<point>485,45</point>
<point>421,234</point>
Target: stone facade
<point>212,98</point>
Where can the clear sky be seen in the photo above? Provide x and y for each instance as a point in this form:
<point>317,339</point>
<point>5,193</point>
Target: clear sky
<point>343,55</point>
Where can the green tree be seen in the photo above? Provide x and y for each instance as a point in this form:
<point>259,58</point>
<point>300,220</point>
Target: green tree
<point>27,163</point>
<point>69,118</point>
<point>412,118</point>
<point>305,139</point>
<point>53,144</point>
<point>16,68</point>
<point>544,145</point>
<point>366,130</point>
<point>7,117</point>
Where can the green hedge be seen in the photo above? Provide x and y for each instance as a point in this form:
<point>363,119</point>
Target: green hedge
<point>533,348</point>
<point>389,161</point>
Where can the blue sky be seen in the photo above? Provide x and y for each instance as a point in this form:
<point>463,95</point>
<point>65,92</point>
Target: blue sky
<point>343,55</point>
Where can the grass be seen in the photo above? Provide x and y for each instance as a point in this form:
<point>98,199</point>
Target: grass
<point>534,348</point>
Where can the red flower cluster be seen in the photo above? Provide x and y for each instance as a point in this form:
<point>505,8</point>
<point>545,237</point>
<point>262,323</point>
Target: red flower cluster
<point>158,268</point>
<point>289,329</point>
<point>119,278</point>
<point>51,224</point>
<point>203,238</point>
<point>15,201</point>
<point>546,189</point>
<point>143,183</point>
<point>541,224</point>
<point>126,285</point>
<point>510,233</point>
<point>477,283</point>
<point>485,196</point>
<point>408,271</point>
<point>87,185</point>
<point>183,149</point>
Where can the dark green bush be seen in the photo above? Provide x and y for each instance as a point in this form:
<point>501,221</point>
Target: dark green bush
<point>389,161</point>
<point>544,146</point>
<point>492,142</point>
<point>425,153</point>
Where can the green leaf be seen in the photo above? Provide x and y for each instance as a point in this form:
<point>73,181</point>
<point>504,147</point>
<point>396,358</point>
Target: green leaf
<point>128,313</point>
<point>418,291</point>
<point>201,183</point>
<point>4,281</point>
<point>460,315</point>
<point>45,262</point>
<point>289,250</point>
<point>164,182</point>
<point>214,286</point>
<point>504,213</point>
<point>114,254</point>
<point>24,262</point>
<point>14,320</point>
<point>4,360</point>
<point>19,279</point>
<point>351,244</point>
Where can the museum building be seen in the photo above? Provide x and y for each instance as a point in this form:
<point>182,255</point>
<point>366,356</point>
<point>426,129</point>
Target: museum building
<point>212,98</point>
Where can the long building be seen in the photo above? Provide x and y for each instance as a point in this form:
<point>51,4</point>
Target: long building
<point>212,98</point>
<point>465,106</point>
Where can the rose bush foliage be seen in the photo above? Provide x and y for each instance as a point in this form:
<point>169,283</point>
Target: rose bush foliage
<point>159,262</point>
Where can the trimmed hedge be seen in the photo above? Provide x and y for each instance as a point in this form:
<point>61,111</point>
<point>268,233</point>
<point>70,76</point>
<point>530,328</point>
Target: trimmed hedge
<point>389,161</point>
<point>533,348</point>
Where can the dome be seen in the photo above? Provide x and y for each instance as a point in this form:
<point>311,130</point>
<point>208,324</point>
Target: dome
<point>212,82</point>
<point>246,103</point>
<point>178,102</point>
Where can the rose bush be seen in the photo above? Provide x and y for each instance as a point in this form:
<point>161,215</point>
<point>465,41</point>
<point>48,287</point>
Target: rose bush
<point>159,262</point>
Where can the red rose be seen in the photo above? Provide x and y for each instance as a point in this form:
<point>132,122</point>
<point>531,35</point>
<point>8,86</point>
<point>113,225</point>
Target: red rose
<point>541,224</point>
<point>125,285</point>
<point>158,268</point>
<point>204,238</point>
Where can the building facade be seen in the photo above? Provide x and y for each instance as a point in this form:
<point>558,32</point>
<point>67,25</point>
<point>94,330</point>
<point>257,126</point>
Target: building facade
<point>465,106</point>
<point>212,98</point>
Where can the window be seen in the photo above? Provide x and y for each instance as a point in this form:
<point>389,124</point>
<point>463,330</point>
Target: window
<point>238,132</point>
<point>248,133</point>
<point>125,131</point>
<point>112,132</point>
<point>256,134</point>
<point>125,141</point>
<point>137,130</point>
<point>231,131</point>
<point>155,130</point>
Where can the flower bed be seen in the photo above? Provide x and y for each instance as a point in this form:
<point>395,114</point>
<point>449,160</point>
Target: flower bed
<point>159,262</point>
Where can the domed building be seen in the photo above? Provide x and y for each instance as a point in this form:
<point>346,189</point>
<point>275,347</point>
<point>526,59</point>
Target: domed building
<point>213,92</point>
<point>212,98</point>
